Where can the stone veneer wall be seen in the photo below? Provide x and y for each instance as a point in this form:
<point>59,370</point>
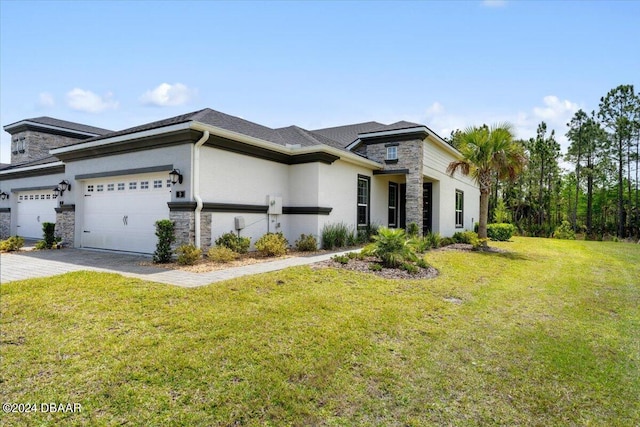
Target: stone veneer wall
<point>410,156</point>
<point>5,224</point>
<point>66,224</point>
<point>36,145</point>
<point>185,229</point>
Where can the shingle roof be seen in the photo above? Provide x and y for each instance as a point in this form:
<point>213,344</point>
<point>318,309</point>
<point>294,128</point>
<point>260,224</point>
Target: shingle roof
<point>349,133</point>
<point>396,126</point>
<point>42,161</point>
<point>50,121</point>
<point>306,138</point>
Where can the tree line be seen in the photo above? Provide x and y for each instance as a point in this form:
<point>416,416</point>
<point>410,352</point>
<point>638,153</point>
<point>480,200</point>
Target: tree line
<point>594,186</point>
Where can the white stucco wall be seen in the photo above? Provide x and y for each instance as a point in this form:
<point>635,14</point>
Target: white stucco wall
<point>435,162</point>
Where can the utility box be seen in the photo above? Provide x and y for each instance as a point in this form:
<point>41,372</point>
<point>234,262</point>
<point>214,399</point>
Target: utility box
<point>275,205</point>
<point>239,222</point>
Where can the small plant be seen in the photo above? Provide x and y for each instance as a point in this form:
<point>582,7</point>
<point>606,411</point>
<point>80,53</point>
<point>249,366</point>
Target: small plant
<point>409,267</point>
<point>235,243</point>
<point>13,243</point>
<point>272,244</point>
<point>420,244</point>
<point>188,254</point>
<point>434,239</point>
<point>391,247</point>
<point>41,244</point>
<point>221,254</point>
<point>365,235</point>
<point>352,255</point>
<point>564,231</point>
<point>48,233</point>
<point>501,213</point>
<point>166,236</point>
<point>422,263</point>
<point>468,237</point>
<point>446,241</point>
<point>306,243</point>
<point>375,267</point>
<point>335,235</point>
<point>342,259</point>
<point>413,229</point>
<point>500,232</point>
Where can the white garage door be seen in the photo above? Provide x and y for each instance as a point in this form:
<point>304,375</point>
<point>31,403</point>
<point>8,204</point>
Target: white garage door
<point>120,212</point>
<point>34,208</point>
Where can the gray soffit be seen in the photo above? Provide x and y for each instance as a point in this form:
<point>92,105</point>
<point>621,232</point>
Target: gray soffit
<point>121,172</point>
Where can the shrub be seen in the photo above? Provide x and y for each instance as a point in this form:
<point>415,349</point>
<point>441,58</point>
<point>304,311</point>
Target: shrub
<point>13,243</point>
<point>342,259</point>
<point>564,231</point>
<point>306,243</point>
<point>422,263</point>
<point>446,241</point>
<point>365,235</point>
<point>166,236</point>
<point>409,268</point>
<point>468,237</point>
<point>352,255</point>
<point>48,232</point>
<point>413,229</point>
<point>420,244</point>
<point>41,244</point>
<point>234,242</point>
<point>375,267</point>
<point>221,254</point>
<point>335,235</point>
<point>500,232</point>
<point>272,244</point>
<point>434,239</point>
<point>188,254</point>
<point>391,247</point>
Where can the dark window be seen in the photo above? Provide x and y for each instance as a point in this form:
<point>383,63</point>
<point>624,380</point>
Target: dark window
<point>459,209</point>
<point>363,200</point>
<point>393,205</point>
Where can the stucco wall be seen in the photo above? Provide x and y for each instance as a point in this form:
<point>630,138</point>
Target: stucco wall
<point>436,160</point>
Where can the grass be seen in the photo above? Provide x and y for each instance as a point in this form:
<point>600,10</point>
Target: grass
<point>547,334</point>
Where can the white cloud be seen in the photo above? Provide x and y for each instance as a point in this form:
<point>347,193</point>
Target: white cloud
<point>494,3</point>
<point>166,95</point>
<point>45,100</point>
<point>85,100</point>
<point>556,113</point>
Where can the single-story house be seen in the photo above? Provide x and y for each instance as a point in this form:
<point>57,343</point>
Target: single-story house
<point>213,173</point>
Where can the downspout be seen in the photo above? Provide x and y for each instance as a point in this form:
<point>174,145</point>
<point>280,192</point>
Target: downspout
<point>196,184</point>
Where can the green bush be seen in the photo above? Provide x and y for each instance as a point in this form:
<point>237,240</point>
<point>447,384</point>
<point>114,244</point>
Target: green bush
<point>166,236</point>
<point>352,255</point>
<point>375,267</point>
<point>365,235</point>
<point>500,232</point>
<point>221,254</point>
<point>564,231</point>
<point>434,239</point>
<point>306,243</point>
<point>336,235</point>
<point>446,241</point>
<point>342,259</point>
<point>13,243</point>
<point>188,254</point>
<point>234,242</point>
<point>48,233</point>
<point>420,244</point>
<point>422,263</point>
<point>391,247</point>
<point>409,268</point>
<point>413,229</point>
<point>41,244</point>
<point>272,244</point>
<point>468,237</point>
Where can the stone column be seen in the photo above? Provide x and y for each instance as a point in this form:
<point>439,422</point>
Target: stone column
<point>185,229</point>
<point>410,156</point>
<point>66,224</point>
<point>5,223</point>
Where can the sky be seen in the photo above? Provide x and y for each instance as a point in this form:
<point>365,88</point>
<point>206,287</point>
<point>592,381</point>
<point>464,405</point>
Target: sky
<point>448,65</point>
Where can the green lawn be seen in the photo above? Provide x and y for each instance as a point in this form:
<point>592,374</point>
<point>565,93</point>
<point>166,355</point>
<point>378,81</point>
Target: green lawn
<point>548,334</point>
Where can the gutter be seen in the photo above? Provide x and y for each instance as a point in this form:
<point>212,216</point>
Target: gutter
<point>196,185</point>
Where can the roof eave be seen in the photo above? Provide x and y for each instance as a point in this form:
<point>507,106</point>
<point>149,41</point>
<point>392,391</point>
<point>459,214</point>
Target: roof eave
<point>25,124</point>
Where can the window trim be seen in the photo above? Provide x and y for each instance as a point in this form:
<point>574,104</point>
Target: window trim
<point>395,207</point>
<point>459,211</point>
<point>366,179</point>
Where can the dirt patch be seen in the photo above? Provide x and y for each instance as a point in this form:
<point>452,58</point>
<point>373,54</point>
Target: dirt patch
<point>364,266</point>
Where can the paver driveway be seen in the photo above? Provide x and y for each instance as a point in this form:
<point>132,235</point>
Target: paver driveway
<point>30,264</point>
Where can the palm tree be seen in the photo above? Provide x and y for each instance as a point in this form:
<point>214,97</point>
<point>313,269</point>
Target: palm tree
<point>487,152</point>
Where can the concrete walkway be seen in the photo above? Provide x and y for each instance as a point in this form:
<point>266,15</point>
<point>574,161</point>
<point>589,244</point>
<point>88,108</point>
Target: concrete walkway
<point>31,264</point>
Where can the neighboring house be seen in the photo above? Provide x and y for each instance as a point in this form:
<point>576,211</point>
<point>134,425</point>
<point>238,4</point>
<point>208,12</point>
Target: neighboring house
<point>233,175</point>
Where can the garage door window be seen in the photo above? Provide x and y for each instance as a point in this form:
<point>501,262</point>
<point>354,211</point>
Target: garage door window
<point>90,188</point>
<point>121,186</point>
<point>144,185</point>
<point>110,187</point>
<point>157,183</point>
<point>133,185</point>
<point>99,187</point>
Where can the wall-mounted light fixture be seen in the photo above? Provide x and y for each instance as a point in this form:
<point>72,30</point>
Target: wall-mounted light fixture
<point>63,186</point>
<point>56,192</point>
<point>176,176</point>
<point>4,196</point>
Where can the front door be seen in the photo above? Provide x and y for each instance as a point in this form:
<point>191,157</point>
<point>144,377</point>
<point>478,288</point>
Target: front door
<point>427,209</point>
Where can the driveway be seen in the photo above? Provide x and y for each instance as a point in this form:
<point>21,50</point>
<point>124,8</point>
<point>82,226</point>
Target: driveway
<point>31,264</point>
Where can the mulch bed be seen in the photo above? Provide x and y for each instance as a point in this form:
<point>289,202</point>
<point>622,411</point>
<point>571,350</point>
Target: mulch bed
<point>362,266</point>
